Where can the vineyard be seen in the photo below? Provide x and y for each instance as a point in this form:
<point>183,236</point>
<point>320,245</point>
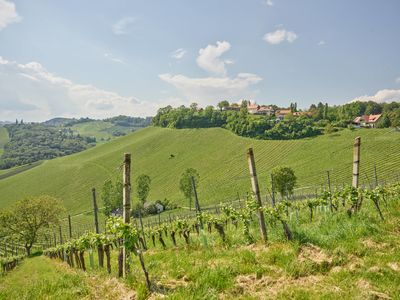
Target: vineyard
<point>217,155</point>
<point>316,242</point>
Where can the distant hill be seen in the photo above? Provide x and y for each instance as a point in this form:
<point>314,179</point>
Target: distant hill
<point>218,155</point>
<point>58,121</point>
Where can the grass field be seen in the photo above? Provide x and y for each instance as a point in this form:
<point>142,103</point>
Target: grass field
<point>332,257</point>
<point>101,130</point>
<point>3,139</point>
<point>218,155</point>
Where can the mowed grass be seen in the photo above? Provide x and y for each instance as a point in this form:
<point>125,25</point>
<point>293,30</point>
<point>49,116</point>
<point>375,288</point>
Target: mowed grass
<point>218,155</point>
<point>40,278</point>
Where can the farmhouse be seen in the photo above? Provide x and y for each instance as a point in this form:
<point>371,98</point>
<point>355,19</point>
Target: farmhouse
<point>367,121</point>
<point>280,114</point>
<point>256,109</point>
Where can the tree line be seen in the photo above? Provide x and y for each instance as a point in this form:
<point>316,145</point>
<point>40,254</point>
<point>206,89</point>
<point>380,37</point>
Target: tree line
<point>320,118</point>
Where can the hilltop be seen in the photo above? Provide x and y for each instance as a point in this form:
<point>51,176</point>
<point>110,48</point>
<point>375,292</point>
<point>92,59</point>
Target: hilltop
<point>218,155</point>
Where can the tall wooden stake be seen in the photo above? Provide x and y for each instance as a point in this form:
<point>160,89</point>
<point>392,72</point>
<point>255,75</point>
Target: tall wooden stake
<point>126,193</point>
<point>100,250</point>
<point>273,190</point>
<point>376,176</point>
<point>69,227</point>
<point>356,161</point>
<point>196,199</point>
<point>256,191</point>
<point>95,210</point>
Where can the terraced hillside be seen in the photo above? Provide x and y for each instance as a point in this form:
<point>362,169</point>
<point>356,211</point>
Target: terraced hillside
<point>218,155</point>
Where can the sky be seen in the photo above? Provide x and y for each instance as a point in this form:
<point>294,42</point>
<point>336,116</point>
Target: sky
<point>104,58</point>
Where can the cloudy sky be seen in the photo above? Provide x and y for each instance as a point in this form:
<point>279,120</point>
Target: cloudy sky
<point>102,58</point>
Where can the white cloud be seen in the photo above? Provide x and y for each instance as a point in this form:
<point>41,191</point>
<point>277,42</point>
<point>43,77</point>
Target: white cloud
<point>32,92</point>
<point>8,14</point>
<point>279,36</point>
<point>122,25</point>
<point>209,58</point>
<point>111,57</point>
<point>321,43</point>
<point>208,90</point>
<point>178,53</point>
<point>385,95</point>
<point>268,2</point>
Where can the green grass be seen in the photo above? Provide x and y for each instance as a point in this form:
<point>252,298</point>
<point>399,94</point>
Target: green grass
<point>101,130</point>
<point>3,139</point>
<point>39,278</point>
<point>218,155</point>
<point>333,257</point>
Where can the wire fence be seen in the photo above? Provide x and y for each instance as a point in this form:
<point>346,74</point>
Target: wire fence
<point>335,172</point>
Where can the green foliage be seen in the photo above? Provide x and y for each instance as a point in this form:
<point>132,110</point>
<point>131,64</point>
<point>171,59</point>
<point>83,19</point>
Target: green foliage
<point>33,142</point>
<point>27,218</point>
<point>143,182</point>
<point>185,183</point>
<point>111,195</point>
<point>284,180</point>
<point>217,154</point>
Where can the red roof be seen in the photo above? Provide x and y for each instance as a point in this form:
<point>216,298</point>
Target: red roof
<point>367,118</point>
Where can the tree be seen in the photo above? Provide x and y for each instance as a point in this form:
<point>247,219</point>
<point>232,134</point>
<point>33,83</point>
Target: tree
<point>27,218</point>
<point>329,128</point>
<point>111,195</point>
<point>143,182</point>
<point>284,180</point>
<point>185,183</point>
<point>223,104</point>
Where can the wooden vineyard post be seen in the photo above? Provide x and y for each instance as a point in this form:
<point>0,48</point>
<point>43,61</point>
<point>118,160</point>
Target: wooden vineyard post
<point>96,220</point>
<point>196,199</point>
<point>100,251</point>
<point>256,191</point>
<point>356,161</point>
<point>126,193</point>
<point>61,242</point>
<point>69,227</point>
<point>376,176</point>
<point>273,190</point>
<point>330,191</point>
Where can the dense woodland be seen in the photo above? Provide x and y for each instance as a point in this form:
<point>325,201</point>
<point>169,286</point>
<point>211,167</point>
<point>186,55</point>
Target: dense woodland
<point>53,138</point>
<point>320,118</point>
<point>33,142</point>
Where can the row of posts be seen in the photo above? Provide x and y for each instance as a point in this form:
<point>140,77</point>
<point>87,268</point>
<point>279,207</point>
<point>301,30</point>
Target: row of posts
<point>254,184</point>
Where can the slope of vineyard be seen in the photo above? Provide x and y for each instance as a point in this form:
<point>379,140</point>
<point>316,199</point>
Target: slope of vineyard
<point>218,155</point>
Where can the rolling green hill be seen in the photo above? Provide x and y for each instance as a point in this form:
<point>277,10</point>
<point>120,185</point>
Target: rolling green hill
<point>218,155</point>
<point>3,138</point>
<point>101,130</point>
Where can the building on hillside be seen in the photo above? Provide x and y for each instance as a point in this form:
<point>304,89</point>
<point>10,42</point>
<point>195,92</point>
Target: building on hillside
<point>369,121</point>
<point>280,114</point>
<point>256,109</point>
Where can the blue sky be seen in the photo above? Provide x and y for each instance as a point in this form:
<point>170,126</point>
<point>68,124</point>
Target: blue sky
<point>102,58</point>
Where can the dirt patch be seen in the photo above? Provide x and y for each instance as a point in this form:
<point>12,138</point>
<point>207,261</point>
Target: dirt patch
<point>314,254</point>
<point>374,245</point>
<point>109,288</point>
<point>394,266</point>
<point>367,290</point>
<point>268,287</point>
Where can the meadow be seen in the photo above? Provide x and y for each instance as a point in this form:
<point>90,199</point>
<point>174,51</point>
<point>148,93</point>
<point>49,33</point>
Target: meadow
<point>218,155</point>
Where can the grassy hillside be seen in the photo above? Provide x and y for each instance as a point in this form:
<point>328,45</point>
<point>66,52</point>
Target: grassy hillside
<point>3,138</point>
<point>218,155</point>
<point>101,130</point>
